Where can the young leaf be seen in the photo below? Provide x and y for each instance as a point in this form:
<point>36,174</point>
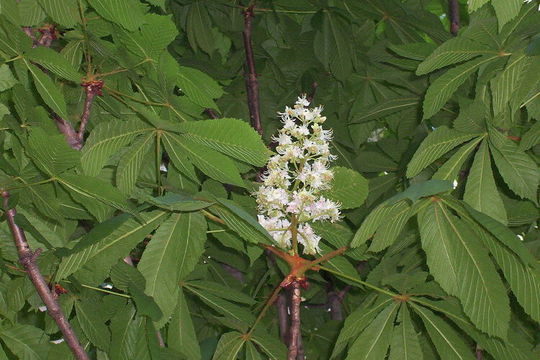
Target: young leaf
<point>481,192</point>
<point>434,146</point>
<point>461,265</point>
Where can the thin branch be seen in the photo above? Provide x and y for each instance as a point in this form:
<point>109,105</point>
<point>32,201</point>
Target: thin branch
<point>283,317</point>
<point>453,16</point>
<point>252,85</point>
<point>69,132</point>
<point>91,88</point>
<point>301,353</point>
<point>294,332</point>
<point>211,113</point>
<point>28,259</point>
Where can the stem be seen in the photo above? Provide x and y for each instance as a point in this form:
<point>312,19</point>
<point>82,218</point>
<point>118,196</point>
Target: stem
<point>28,259</point>
<point>295,321</point>
<point>252,85</point>
<point>86,113</point>
<point>453,15</point>
<point>69,132</point>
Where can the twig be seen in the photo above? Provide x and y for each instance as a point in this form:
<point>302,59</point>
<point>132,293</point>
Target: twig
<point>294,332</point>
<point>283,317</point>
<point>69,132</point>
<point>252,85</point>
<point>211,113</point>
<point>28,259</point>
<point>453,16</point>
<point>91,88</point>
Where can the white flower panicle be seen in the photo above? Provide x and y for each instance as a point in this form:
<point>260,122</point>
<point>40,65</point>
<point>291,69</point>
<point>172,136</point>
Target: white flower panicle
<point>296,177</point>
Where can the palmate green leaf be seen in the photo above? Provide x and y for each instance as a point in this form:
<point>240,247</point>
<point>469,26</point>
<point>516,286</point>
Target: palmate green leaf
<point>393,224</point>
<point>358,320</point>
<point>124,12</point>
<point>92,324</point>
<point>232,137</point>
<point>53,61</point>
<point>123,274</point>
<point>174,202</point>
<point>481,192</point>
<point>146,306</point>
<point>474,5</point>
<point>229,346</point>
<point>349,188</point>
<point>374,341</point>
<point>517,169</point>
<point>436,144</point>
<point>376,219</point>
<point>524,280</point>
<point>449,171</point>
<point>172,254</point>
<point>223,307</point>
<point>461,265</point>
<point>49,92</point>
<point>63,12</point>
<point>415,50</point>
<point>25,341</point>
<point>7,80</point>
<point>222,291</point>
<point>241,222</point>
<point>384,108</point>
<point>51,154</point>
<point>444,86</point>
<point>251,352</point>
<point>270,345</point>
<point>181,335</point>
<point>123,334</point>
<point>179,159</point>
<point>110,241</point>
<point>405,344</point>
<point>198,86</point>
<point>130,164</point>
<point>90,189</point>
<point>107,138</point>
<point>449,343</point>
<point>198,25</point>
<point>215,165</point>
<point>506,10</point>
<point>453,51</point>
<point>531,137</point>
<point>422,189</point>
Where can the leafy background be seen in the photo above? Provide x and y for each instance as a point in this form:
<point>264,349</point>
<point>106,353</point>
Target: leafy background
<point>437,138</point>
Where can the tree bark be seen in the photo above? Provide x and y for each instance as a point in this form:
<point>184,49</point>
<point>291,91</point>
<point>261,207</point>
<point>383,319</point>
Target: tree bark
<point>295,320</point>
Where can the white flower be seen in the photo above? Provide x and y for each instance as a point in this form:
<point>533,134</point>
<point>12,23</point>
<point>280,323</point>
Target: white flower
<point>292,187</point>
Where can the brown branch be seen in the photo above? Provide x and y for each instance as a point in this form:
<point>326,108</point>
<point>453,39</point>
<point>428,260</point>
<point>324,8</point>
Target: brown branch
<point>301,353</point>
<point>252,85</point>
<point>453,16</point>
<point>91,88</point>
<point>211,113</point>
<point>28,259</point>
<point>69,132</point>
<point>479,353</point>
<point>283,317</point>
<point>294,332</point>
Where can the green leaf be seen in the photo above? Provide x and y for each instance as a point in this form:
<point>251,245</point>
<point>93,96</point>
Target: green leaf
<point>506,10</point>
<point>198,86</point>
<point>481,192</point>
<point>444,86</point>
<point>448,342</point>
<point>146,306</point>
<point>105,140</point>
<point>174,202</point>
<point>517,169</point>
<point>461,265</point>
<point>123,334</point>
<point>229,346</point>
<point>124,12</point>
<point>524,280</point>
<point>474,5</point>
<point>51,153</point>
<point>374,341</point>
<point>270,345</point>
<point>222,291</point>
<point>405,343</point>
<point>422,189</point>
<point>238,220</point>
<point>91,322</point>
<point>6,78</point>
<point>349,188</point>
<point>53,61</point>
<point>453,51</point>
<point>232,137</point>
<point>394,222</point>
<point>383,108</point>
<point>105,245</point>
<point>449,171</point>
<point>25,341</point>
<point>172,254</point>
<point>198,25</point>
<point>49,92</point>
<point>435,145</point>
<point>251,352</point>
<point>215,165</point>
<point>130,164</point>
<point>91,188</point>
<point>376,219</point>
<point>531,137</point>
<point>63,12</point>
<point>505,84</point>
<point>181,335</point>
<point>357,321</point>
<point>123,274</point>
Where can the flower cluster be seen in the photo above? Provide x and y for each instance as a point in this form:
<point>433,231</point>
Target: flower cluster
<point>290,195</point>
